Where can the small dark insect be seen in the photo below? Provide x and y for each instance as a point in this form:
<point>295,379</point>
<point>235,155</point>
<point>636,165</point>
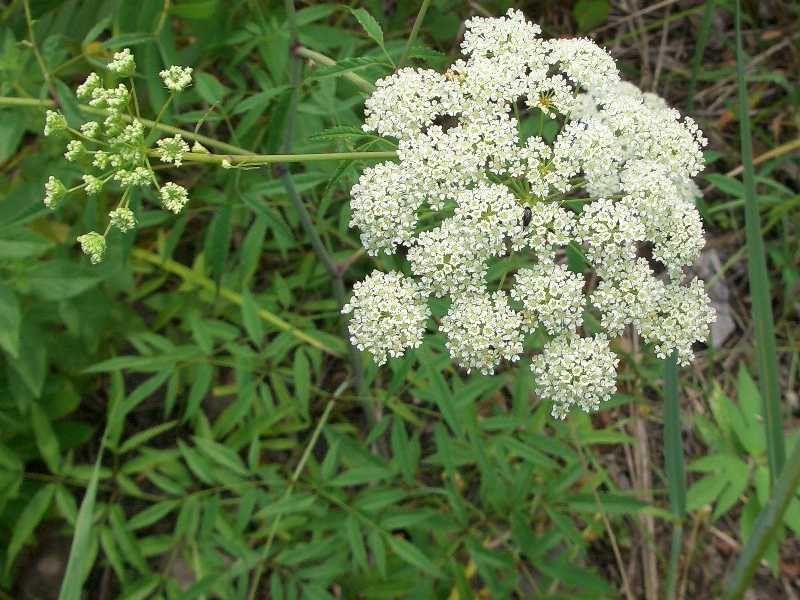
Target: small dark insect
<point>527,215</point>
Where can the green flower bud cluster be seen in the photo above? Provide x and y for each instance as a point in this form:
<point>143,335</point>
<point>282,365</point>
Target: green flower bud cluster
<point>115,151</point>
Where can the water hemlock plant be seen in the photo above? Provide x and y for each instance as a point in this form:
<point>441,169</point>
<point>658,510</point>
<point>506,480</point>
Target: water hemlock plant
<point>600,203</point>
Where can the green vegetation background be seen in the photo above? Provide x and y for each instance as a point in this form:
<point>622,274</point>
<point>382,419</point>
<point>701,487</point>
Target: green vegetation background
<point>155,417</point>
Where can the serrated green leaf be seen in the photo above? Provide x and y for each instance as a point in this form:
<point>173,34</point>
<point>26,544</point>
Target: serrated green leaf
<point>370,25</point>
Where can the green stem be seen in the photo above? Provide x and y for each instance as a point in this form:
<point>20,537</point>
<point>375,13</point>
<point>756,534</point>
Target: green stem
<point>264,159</point>
<point>91,110</point>
<point>761,299</point>
<point>676,476</point>
<point>414,31</point>
<point>326,61</point>
<point>200,281</point>
<point>236,155</point>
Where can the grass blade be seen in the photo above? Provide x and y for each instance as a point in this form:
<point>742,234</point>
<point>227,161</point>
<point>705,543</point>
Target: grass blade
<point>77,569</point>
<point>767,523</point>
<point>759,279</point>
<point>699,50</point>
<point>72,584</point>
<point>674,467</point>
<point>423,9</point>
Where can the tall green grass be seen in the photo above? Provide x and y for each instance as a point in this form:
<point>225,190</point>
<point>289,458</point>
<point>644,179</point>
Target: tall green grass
<point>784,481</point>
<point>760,296</point>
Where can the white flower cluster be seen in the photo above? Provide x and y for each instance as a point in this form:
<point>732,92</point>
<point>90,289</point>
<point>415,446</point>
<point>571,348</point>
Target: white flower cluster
<point>176,79</point>
<point>123,63</point>
<point>613,184</point>
<point>389,315</point>
<point>116,149</point>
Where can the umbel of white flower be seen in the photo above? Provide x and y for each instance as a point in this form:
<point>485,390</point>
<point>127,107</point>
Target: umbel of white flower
<point>469,190</point>
<point>116,150</point>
